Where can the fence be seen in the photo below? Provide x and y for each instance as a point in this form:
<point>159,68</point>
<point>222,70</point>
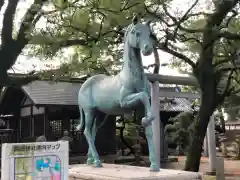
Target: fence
<point>232,126</point>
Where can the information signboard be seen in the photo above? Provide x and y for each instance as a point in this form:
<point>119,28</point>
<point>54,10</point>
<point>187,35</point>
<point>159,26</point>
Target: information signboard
<point>35,161</point>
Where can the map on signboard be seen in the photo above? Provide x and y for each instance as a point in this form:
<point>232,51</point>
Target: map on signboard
<point>34,163</point>
<point>39,167</point>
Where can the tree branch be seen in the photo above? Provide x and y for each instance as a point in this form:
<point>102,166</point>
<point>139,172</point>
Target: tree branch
<point>14,80</point>
<point>178,23</point>
<point>220,63</point>
<point>41,14</point>
<point>228,64</point>
<point>188,30</point>
<point>157,61</point>
<point>209,36</point>
<point>28,20</point>
<point>229,35</point>
<point>158,16</point>
<point>235,91</point>
<point>12,48</point>
<point>223,8</point>
<point>75,42</point>
<point>156,55</point>
<point>227,91</point>
<point>7,26</point>
<point>234,14</point>
<point>69,42</point>
<point>184,17</point>
<point>184,39</point>
<point>82,42</point>
<point>163,47</point>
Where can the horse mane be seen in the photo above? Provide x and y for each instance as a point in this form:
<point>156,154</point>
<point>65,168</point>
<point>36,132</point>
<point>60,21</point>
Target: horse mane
<point>127,31</point>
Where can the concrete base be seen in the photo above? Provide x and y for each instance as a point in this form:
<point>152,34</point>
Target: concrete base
<point>124,172</point>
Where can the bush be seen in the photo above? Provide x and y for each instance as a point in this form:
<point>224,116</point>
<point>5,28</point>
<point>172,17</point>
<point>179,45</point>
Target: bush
<point>180,131</point>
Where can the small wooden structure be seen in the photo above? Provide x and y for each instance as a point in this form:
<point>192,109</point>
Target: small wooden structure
<point>170,106</point>
<point>50,108</point>
<point>233,125</point>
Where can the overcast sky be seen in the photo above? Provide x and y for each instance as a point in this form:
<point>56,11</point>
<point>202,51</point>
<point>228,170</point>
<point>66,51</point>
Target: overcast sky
<point>25,64</point>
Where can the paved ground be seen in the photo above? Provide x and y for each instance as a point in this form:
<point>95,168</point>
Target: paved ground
<point>232,168</point>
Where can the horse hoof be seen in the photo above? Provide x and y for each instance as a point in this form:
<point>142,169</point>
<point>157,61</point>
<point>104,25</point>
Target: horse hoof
<point>154,168</point>
<point>146,121</point>
<point>97,164</point>
<point>90,161</point>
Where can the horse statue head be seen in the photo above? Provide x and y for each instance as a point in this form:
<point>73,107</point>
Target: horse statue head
<point>138,36</point>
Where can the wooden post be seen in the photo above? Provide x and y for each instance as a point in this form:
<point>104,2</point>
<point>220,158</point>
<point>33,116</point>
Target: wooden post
<point>65,121</point>
<point>46,122</point>
<point>20,129</point>
<point>163,143</point>
<point>32,121</point>
<point>155,104</point>
<point>212,145</point>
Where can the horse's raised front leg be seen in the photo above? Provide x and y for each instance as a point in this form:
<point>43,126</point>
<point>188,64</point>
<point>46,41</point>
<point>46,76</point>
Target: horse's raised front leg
<point>92,152</point>
<point>152,156</point>
<point>128,100</point>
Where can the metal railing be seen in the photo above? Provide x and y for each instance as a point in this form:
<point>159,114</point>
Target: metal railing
<point>8,136</point>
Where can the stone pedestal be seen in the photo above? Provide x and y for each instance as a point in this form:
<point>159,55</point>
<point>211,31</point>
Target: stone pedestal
<point>124,172</point>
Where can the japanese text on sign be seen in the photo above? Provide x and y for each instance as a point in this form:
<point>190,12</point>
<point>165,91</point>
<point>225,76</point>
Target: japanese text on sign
<point>32,147</point>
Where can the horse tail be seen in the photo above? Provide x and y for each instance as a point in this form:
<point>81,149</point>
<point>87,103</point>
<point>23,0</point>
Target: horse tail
<point>81,120</point>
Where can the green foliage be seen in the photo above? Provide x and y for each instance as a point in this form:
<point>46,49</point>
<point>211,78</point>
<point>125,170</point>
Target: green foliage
<point>131,130</point>
<point>98,23</point>
<point>41,39</point>
<point>60,4</point>
<point>223,48</point>
<point>179,132</point>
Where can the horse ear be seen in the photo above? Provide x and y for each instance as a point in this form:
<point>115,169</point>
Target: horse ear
<point>148,22</point>
<point>135,19</point>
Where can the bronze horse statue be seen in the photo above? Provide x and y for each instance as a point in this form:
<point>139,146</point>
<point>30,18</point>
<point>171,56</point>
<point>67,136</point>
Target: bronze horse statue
<point>120,94</point>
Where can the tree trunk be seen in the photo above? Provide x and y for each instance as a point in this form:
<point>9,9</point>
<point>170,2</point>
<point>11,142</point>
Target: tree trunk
<point>1,4</point>
<point>208,94</point>
<point>195,150</point>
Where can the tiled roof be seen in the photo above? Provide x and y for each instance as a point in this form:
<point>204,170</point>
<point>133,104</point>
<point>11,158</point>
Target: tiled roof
<point>176,105</point>
<point>65,93</point>
<point>51,93</point>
